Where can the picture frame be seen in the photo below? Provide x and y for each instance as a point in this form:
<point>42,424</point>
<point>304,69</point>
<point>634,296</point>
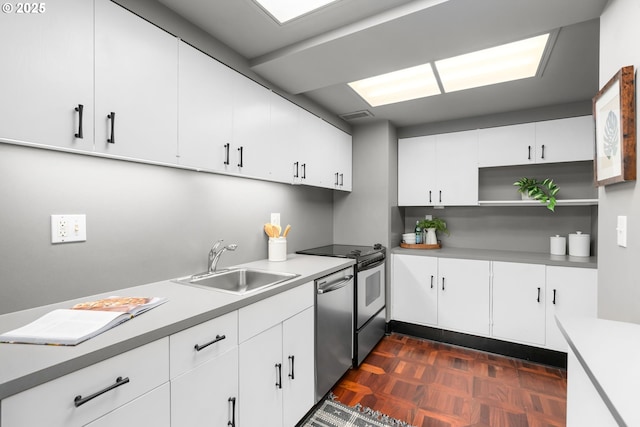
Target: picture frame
<point>614,114</point>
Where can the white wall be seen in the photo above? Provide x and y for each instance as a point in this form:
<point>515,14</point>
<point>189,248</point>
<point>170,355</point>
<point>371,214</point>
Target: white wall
<point>619,286</point>
<point>144,223</point>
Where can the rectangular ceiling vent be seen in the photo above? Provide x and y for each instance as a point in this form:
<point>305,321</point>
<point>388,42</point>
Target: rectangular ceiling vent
<point>356,115</point>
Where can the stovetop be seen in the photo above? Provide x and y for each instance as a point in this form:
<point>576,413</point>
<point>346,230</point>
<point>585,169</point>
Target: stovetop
<point>345,251</point>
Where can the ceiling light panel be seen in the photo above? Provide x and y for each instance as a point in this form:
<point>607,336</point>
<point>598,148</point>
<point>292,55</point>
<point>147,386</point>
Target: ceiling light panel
<point>286,10</point>
<point>512,61</point>
<point>397,86</point>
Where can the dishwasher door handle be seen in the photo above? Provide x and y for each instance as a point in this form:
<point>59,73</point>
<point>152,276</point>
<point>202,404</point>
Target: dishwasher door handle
<point>335,286</point>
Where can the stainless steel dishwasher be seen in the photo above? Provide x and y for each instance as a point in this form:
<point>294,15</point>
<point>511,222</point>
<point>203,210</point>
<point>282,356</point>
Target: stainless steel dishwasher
<point>334,329</point>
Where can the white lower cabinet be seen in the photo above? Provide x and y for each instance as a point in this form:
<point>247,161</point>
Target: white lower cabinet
<point>95,391</point>
<point>414,295</point>
<point>276,377</point>
<point>150,409</point>
<point>510,301</point>
<point>464,295</point>
<point>519,302</point>
<point>570,291</point>
<point>204,373</point>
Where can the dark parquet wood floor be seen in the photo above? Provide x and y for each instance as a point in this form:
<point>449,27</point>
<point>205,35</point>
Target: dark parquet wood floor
<point>430,384</point>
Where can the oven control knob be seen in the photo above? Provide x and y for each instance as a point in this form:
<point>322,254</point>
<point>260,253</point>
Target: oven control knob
<point>377,246</point>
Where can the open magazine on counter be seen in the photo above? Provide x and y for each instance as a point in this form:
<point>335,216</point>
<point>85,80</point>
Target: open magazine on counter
<point>71,326</point>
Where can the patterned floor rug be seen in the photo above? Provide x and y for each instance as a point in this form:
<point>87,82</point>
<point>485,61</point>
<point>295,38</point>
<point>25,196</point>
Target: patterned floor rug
<point>331,413</point>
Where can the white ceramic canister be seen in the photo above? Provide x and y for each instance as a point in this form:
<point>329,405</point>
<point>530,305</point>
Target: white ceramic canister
<point>558,245</point>
<point>277,248</point>
<point>579,244</point>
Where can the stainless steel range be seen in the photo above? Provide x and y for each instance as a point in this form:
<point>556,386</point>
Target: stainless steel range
<point>369,293</point>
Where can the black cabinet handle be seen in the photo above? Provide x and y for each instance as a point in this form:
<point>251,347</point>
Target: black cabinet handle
<point>440,196</point>
<point>337,178</point>
<point>279,375</point>
<point>543,151</point>
<point>226,153</point>
<point>443,283</point>
<point>429,196</point>
<point>79,400</point>
<point>304,171</point>
<point>297,173</point>
<point>529,156</point>
<point>432,281</point>
<point>341,179</point>
<point>538,294</point>
<point>232,423</point>
<point>554,296</point>
<point>291,371</point>
<point>218,338</point>
<point>80,110</point>
<point>112,117</point>
<point>241,161</point>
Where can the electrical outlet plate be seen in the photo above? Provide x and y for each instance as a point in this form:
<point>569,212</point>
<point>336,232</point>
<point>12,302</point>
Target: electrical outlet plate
<point>68,228</point>
<point>275,218</point>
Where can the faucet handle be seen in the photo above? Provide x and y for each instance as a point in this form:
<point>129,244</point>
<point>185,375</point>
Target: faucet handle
<point>216,245</point>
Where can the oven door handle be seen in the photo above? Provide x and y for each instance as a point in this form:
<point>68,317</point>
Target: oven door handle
<point>371,266</point>
<point>335,286</point>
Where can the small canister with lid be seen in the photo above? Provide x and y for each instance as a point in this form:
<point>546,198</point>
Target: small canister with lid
<point>579,244</point>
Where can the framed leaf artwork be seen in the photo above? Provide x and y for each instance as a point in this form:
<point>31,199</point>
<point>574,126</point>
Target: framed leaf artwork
<point>614,113</point>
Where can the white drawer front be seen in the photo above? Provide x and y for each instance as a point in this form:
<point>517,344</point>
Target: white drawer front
<point>213,338</point>
<point>264,314</point>
<point>52,404</point>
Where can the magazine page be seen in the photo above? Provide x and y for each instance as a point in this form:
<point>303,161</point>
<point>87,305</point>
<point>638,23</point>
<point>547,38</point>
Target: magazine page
<point>82,321</point>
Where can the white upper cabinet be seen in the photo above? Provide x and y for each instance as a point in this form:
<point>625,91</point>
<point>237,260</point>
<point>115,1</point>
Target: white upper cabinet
<point>205,110</point>
<point>438,170</point>
<point>565,140</point>
<point>46,73</point>
<point>313,159</point>
<point>341,146</point>
<point>136,77</point>
<point>552,141</point>
<point>507,145</point>
<point>285,122</point>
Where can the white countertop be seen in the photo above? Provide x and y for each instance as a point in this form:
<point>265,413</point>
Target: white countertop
<point>608,352</point>
<point>26,365</point>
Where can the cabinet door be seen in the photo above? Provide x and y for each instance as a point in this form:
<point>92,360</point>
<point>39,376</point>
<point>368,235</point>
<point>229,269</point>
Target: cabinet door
<point>284,122</point>
<point>457,169</point>
<point>572,291</point>
<point>252,145</point>
<point>205,395</point>
<point>205,108</point>
<point>565,140</point>
<point>518,302</point>
<point>507,145</point>
<point>136,77</point>
<point>260,379</point>
<point>298,373</point>
<point>463,300</point>
<point>340,170</point>
<point>150,409</point>
<point>414,292</point>
<point>47,70</point>
<point>314,159</point>
<point>417,171</point>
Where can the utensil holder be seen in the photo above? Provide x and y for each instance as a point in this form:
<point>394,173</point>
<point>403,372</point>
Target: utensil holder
<point>277,249</point>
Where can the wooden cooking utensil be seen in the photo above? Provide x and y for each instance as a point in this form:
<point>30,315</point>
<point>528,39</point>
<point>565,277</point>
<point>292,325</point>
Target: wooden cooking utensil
<point>286,230</point>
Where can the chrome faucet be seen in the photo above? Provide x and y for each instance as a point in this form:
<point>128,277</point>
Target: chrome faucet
<point>216,252</point>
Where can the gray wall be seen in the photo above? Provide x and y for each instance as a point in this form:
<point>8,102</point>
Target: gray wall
<point>144,223</point>
<point>618,285</point>
<point>370,213</point>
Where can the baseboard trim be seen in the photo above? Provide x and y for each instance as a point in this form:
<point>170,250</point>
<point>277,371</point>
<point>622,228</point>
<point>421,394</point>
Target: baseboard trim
<point>491,345</point>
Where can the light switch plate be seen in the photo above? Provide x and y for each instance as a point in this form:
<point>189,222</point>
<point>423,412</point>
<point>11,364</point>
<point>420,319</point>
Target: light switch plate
<point>68,228</point>
<point>621,231</point>
<point>275,218</point>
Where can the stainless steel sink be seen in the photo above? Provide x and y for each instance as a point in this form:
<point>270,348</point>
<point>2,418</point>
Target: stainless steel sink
<point>237,280</point>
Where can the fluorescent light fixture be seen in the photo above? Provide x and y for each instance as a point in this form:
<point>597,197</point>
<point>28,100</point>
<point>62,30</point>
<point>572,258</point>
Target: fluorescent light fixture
<point>286,10</point>
<point>398,86</point>
<point>512,61</point>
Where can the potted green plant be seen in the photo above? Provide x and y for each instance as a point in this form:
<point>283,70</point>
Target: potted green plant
<point>431,226</point>
<point>543,191</point>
